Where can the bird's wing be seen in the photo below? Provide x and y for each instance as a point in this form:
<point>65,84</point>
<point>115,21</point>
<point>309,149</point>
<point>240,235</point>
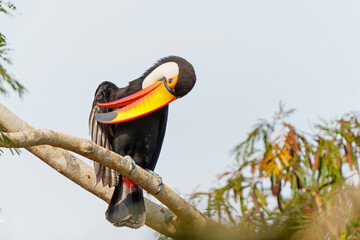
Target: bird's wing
<point>102,134</point>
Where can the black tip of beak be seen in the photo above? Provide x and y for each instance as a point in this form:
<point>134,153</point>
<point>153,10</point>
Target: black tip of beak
<point>105,117</point>
<point>172,91</point>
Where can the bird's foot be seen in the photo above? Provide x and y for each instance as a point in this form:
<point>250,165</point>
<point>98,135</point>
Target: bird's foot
<point>160,186</point>
<point>133,164</point>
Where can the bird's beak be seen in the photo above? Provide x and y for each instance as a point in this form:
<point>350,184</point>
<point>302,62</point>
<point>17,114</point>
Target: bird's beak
<point>138,104</point>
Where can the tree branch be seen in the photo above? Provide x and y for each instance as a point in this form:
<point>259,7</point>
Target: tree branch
<point>158,218</point>
<point>110,159</point>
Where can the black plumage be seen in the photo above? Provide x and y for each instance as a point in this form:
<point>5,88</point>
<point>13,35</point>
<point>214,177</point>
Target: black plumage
<point>139,138</point>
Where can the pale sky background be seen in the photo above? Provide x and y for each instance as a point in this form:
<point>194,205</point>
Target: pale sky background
<point>248,56</point>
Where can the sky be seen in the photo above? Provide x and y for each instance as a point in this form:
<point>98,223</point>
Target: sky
<point>248,56</point>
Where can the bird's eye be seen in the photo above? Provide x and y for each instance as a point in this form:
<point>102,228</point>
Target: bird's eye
<point>172,82</point>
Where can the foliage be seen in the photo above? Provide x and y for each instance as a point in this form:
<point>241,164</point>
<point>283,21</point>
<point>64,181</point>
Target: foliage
<point>5,77</point>
<point>7,8</point>
<point>292,184</point>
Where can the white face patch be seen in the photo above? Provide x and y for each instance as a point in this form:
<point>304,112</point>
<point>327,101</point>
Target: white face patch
<point>168,70</point>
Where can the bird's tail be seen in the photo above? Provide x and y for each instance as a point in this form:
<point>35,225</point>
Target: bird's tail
<point>126,207</point>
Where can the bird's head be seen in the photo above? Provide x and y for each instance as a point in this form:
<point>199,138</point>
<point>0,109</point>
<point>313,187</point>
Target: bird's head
<point>170,78</point>
<point>177,74</point>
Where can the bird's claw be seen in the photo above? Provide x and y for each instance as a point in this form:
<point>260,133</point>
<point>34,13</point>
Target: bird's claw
<point>160,186</point>
<point>133,164</point>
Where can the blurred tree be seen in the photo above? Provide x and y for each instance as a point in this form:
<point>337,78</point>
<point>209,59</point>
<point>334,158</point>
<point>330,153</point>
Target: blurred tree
<point>7,8</point>
<point>287,184</point>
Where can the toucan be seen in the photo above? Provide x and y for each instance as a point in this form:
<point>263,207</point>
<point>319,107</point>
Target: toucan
<point>131,121</point>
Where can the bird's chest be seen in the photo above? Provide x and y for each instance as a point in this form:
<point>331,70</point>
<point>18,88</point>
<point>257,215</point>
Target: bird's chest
<point>138,139</point>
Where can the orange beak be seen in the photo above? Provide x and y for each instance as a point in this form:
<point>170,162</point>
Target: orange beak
<point>138,104</point>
